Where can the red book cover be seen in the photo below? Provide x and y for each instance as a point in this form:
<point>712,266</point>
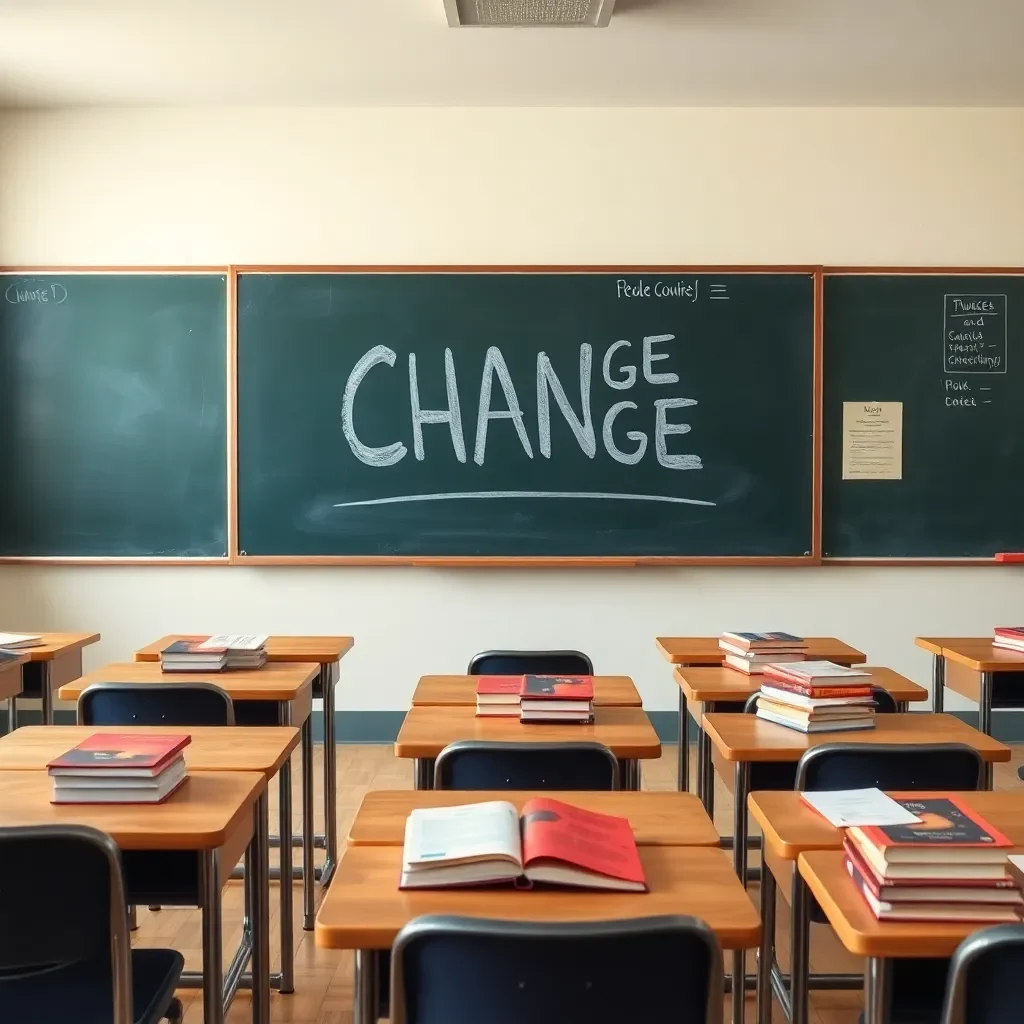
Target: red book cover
<point>1011,632</point>
<point>123,750</point>
<point>558,687</point>
<point>494,685</point>
<point>818,691</point>
<point>945,821</point>
<point>599,843</point>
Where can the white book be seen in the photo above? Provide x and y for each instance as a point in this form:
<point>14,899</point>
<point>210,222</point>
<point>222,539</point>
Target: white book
<point>824,670</point>
<point>845,807</point>
<point>798,700</point>
<point>132,791</point>
<point>234,642</point>
<point>843,725</point>
<point>16,641</point>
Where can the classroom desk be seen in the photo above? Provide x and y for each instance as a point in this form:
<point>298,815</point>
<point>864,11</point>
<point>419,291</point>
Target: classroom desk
<point>425,732</point>
<point>57,659</point>
<point>266,749</point>
<point>286,690</point>
<point>697,651</point>
<point>364,909</point>
<point>825,875</point>
<point>657,819</point>
<point>219,815</point>
<point>790,828</point>
<point>327,652</point>
<point>10,675</point>
<point>744,739</point>
<point>969,666</point>
<point>458,691</point>
<point>718,689</point>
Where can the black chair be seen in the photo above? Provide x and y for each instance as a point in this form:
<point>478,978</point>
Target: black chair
<point>64,948</point>
<point>453,970</point>
<point>477,764</point>
<point>984,978</point>
<point>155,704</point>
<point>917,984</point>
<point>534,663</point>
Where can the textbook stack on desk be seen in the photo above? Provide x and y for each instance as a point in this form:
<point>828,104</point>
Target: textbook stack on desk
<point>498,696</point>
<point>488,844</point>
<point>119,768</point>
<point>213,653</point>
<point>1009,637</point>
<point>750,652</point>
<point>19,641</point>
<point>816,696</point>
<point>950,865</point>
<point>557,699</point>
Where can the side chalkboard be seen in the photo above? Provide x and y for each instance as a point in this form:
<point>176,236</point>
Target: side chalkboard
<point>113,416</point>
<point>504,414</point>
<point>950,348</point>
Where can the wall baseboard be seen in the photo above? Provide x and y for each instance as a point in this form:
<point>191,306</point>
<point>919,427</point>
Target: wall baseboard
<point>383,726</point>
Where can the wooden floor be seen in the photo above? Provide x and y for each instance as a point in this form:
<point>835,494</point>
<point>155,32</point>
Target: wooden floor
<point>323,978</point>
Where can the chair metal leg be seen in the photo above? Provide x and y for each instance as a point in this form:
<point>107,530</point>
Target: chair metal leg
<point>329,680</point>
<point>878,981</point>
<point>364,1000</point>
<point>213,953</point>
<point>133,918</point>
<point>423,773</point>
<point>285,853</point>
<point>938,683</point>
<point>683,767</point>
<point>46,694</point>
<point>800,931</point>
<point>766,954</point>
<point>308,874</point>
<point>12,713</point>
<point>257,862</point>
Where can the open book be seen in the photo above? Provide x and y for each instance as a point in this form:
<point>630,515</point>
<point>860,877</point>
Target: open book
<point>488,844</point>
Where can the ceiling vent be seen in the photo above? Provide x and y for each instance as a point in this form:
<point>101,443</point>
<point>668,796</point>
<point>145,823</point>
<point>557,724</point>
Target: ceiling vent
<point>587,13</point>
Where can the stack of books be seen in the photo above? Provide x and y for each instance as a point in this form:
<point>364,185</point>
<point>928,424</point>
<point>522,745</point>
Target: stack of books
<point>557,699</point>
<point>120,768</point>
<point>950,866</point>
<point>817,696</point>
<point>750,652</point>
<point>214,653</point>
<point>19,641</point>
<point>490,844</point>
<point>1009,637</point>
<point>498,696</point>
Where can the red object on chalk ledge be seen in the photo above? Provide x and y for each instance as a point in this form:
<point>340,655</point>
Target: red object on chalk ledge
<point>1010,557</point>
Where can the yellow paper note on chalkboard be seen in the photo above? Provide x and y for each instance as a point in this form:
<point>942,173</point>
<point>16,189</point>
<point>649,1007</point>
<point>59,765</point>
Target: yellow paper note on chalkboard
<point>872,440</point>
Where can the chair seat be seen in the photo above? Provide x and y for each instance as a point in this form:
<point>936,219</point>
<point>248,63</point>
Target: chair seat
<point>82,992</point>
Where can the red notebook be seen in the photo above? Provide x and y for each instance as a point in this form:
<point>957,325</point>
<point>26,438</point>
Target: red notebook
<point>557,687</point>
<point>137,754</point>
<point>493,686</point>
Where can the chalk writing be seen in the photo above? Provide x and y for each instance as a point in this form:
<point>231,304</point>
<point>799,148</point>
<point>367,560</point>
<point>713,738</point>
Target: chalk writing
<point>974,335</point>
<point>38,292</point>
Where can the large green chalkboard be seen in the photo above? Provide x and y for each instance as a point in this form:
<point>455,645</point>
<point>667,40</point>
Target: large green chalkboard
<point>951,349</point>
<point>112,417</point>
<point>332,459</point>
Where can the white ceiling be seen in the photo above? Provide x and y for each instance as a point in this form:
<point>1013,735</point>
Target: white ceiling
<point>401,53</point>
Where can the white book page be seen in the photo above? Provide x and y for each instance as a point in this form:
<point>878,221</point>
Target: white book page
<point>233,642</point>
<point>447,835</point>
<point>7,639</point>
<point>844,808</point>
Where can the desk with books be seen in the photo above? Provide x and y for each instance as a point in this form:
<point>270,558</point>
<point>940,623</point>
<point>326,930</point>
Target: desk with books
<point>218,816</point>
<point>327,652</point>
<point>697,651</point>
<point>790,828</point>
<point>277,693</point>
<point>719,689</point>
<point>459,691</point>
<point>364,909</point>
<point>426,731</point>
<point>263,750</point>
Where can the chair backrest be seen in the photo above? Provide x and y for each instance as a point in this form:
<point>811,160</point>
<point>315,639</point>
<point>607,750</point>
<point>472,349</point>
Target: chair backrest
<point>535,663</point>
<point>983,986</point>
<point>478,764</point>
<point>63,902</point>
<point>885,704</point>
<point>453,970</point>
<point>155,704</point>
<point>911,766</point>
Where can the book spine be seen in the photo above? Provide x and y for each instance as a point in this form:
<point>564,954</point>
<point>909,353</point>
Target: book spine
<point>819,691</point>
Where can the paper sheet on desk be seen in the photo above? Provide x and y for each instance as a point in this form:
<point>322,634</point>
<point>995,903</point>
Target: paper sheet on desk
<point>845,808</point>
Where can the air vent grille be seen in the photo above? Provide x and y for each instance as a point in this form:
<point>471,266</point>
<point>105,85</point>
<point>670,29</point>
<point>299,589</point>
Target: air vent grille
<point>593,13</point>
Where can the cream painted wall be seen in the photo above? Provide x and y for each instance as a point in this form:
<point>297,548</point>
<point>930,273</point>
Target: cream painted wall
<point>507,186</point>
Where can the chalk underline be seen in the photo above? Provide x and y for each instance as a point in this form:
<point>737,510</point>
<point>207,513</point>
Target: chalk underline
<point>472,495</point>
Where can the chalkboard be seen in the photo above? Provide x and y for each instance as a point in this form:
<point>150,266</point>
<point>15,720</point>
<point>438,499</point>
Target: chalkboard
<point>525,414</point>
<point>950,347</point>
<point>113,415</point>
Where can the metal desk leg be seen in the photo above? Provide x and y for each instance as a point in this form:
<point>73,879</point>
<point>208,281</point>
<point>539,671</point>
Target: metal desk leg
<point>707,768</point>
<point>877,985</point>
<point>739,821</point>
<point>328,682</point>
<point>902,706</point>
<point>45,694</point>
<point>423,773</point>
<point>938,683</point>
<point>213,954</point>
<point>308,874</point>
<point>766,954</point>
<point>683,769</point>
<point>800,932</point>
<point>284,717</point>
<point>985,718</point>
<point>364,999</point>
<point>12,713</point>
<point>257,874</point>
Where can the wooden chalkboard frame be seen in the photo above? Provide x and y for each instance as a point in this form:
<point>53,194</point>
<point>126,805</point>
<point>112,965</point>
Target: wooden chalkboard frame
<point>226,272</point>
<point>838,271</point>
<point>238,557</point>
